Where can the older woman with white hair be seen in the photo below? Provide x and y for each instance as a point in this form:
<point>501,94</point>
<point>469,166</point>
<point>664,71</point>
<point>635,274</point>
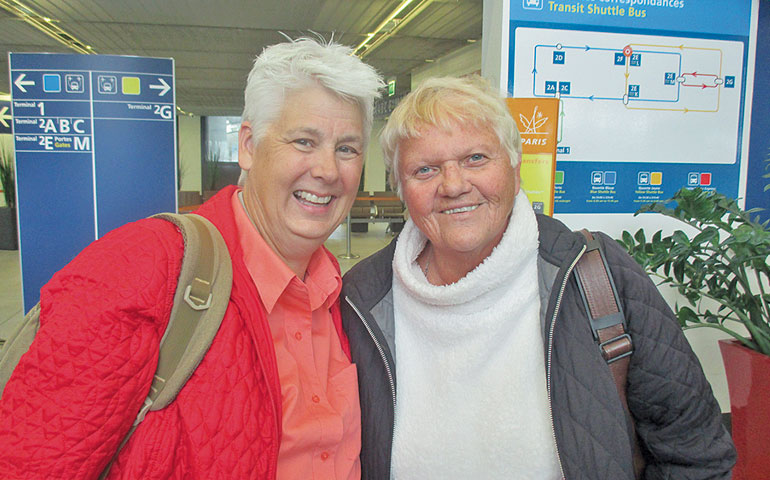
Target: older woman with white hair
<point>276,394</point>
<point>474,351</point>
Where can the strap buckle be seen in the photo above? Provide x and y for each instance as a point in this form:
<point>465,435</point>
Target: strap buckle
<point>617,348</point>
<point>143,411</point>
<point>194,300</point>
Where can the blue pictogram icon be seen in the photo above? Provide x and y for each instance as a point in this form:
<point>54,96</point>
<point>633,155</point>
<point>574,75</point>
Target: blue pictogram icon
<point>108,84</point>
<point>532,4</point>
<point>52,83</point>
<point>74,83</point>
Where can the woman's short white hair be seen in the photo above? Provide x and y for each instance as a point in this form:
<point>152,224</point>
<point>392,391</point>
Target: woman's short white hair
<point>446,102</point>
<point>290,66</point>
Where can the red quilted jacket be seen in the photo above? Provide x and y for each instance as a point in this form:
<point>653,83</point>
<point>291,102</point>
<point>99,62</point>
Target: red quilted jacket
<point>77,391</point>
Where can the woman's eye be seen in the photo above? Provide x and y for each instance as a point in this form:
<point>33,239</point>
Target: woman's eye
<point>348,150</point>
<point>476,157</point>
<point>424,171</point>
<point>303,142</point>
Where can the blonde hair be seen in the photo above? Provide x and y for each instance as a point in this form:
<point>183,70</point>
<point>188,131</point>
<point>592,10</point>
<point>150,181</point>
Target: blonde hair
<point>446,102</point>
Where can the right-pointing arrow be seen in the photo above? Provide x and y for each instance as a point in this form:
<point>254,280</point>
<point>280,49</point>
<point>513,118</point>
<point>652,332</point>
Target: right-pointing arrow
<point>163,87</point>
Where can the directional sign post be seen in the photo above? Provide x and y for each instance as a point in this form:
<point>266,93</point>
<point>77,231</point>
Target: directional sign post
<point>95,149</point>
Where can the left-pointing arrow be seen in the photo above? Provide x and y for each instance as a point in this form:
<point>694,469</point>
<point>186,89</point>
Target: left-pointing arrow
<point>20,82</point>
<point>163,87</point>
<point>4,117</point>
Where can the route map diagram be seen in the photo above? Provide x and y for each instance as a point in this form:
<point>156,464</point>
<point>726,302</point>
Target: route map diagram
<point>635,98</point>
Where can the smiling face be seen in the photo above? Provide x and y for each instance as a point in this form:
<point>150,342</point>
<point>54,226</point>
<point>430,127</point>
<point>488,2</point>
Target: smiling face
<point>459,187</point>
<point>303,175</point>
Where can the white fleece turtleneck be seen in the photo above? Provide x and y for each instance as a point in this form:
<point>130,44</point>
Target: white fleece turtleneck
<point>472,400</point>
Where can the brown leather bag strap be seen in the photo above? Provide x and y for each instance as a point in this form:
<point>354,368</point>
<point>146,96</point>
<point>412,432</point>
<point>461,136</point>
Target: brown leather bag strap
<point>608,325</point>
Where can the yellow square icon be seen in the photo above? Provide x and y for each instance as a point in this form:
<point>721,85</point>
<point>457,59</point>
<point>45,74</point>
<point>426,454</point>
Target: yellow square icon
<point>131,85</point>
<point>656,178</point>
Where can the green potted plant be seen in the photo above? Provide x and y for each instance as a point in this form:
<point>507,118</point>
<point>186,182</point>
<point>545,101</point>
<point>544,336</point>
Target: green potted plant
<point>8,236</point>
<point>721,271</point>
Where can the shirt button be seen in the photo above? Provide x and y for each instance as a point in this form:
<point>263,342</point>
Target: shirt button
<point>298,336</point>
<point>325,456</point>
<point>315,399</point>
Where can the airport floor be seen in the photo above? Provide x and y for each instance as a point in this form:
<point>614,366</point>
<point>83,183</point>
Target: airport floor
<point>362,244</point>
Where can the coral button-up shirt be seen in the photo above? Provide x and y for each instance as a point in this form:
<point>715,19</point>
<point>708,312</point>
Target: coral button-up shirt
<point>321,430</point>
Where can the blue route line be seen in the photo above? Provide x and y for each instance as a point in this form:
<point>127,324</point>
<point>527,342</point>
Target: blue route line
<point>592,98</point>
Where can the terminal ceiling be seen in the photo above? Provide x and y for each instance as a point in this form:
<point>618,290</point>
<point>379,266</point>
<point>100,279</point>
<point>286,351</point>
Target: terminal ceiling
<point>213,43</point>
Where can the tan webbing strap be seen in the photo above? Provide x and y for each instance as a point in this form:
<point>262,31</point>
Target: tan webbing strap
<point>608,327</point>
<point>206,276</point>
<point>201,298</point>
<point>18,344</point>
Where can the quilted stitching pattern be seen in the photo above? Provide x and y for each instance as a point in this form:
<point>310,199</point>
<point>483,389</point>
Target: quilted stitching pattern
<point>93,357</point>
<point>582,379</point>
<point>675,412</point>
<point>75,394</point>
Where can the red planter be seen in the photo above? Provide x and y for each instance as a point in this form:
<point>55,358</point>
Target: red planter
<point>748,379</point>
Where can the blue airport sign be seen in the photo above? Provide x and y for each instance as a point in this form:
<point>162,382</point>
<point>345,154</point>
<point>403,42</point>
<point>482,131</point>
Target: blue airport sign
<point>95,149</point>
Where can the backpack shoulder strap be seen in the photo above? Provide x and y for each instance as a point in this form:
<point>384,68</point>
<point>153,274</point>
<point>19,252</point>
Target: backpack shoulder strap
<point>200,301</point>
<point>201,298</point>
<point>601,301</point>
<point>18,344</point>
<point>608,324</point>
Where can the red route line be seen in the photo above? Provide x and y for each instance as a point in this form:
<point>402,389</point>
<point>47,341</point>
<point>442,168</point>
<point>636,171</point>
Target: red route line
<point>696,74</point>
<point>699,86</point>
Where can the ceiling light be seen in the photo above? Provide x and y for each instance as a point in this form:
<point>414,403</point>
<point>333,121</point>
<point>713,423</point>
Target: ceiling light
<point>400,23</point>
<point>382,25</point>
<point>46,25</point>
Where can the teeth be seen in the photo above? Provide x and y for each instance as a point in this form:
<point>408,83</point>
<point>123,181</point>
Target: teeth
<point>461,209</point>
<point>312,198</point>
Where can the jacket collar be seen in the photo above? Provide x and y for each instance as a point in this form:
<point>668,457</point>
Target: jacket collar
<point>370,280</point>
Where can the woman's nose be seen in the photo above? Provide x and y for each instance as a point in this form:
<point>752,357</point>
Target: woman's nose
<point>453,181</point>
<point>325,166</point>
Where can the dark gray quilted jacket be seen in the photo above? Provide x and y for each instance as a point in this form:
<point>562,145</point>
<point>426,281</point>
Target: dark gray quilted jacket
<point>677,418</point>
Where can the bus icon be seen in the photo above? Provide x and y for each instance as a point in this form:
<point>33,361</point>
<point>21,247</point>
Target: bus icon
<point>533,4</point>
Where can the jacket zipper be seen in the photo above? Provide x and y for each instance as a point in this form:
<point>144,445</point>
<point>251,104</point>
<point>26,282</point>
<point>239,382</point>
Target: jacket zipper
<point>384,361</point>
<point>550,352</point>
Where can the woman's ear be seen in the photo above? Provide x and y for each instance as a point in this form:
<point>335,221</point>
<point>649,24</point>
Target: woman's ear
<point>517,177</point>
<point>245,146</point>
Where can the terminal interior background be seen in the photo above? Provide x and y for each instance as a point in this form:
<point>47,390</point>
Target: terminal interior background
<point>213,45</point>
